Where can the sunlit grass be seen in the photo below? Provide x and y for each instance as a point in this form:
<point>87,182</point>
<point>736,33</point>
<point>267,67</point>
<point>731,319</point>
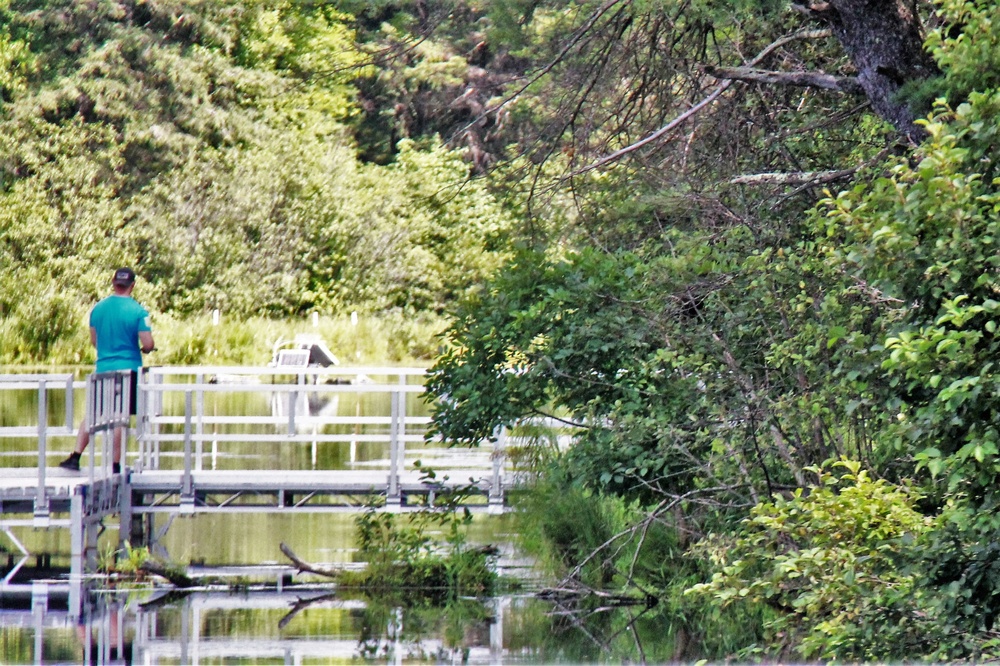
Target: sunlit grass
<point>367,339</point>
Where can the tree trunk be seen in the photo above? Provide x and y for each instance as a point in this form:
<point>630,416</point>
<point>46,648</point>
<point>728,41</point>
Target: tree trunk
<point>883,39</point>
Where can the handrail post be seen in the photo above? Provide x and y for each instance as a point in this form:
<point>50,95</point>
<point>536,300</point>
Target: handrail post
<point>140,420</point>
<point>200,423</point>
<point>41,500</point>
<point>123,412</point>
<point>107,418</point>
<point>293,399</point>
<point>394,500</point>
<point>187,483</point>
<point>69,403</point>
<point>495,499</point>
<point>157,410</point>
<point>90,418</point>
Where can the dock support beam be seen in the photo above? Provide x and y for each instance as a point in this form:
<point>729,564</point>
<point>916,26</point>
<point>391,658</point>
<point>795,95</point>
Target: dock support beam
<point>393,497</point>
<point>41,499</point>
<point>187,483</point>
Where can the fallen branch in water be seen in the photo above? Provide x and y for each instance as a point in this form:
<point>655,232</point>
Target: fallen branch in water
<point>302,565</point>
<point>177,578</point>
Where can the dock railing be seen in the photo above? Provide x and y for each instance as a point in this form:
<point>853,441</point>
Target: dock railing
<point>109,399</point>
<point>43,384</point>
<point>173,415</point>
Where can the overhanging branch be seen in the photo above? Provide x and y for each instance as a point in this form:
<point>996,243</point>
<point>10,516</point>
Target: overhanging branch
<point>711,97</point>
<point>793,178</point>
<point>844,84</point>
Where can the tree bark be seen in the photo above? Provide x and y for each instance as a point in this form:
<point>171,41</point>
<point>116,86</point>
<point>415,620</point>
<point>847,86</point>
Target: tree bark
<point>884,41</point>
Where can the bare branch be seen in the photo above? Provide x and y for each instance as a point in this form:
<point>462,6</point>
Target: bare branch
<point>177,578</point>
<point>844,84</point>
<point>805,178</point>
<point>793,178</point>
<point>665,505</point>
<point>578,35</point>
<point>712,96</point>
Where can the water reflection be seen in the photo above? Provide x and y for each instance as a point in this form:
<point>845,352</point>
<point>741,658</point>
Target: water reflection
<point>299,624</point>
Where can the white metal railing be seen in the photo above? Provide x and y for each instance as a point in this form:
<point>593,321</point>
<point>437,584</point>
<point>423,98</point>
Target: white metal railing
<point>192,427</point>
<point>106,407</point>
<point>43,384</point>
<point>189,424</point>
<point>109,399</point>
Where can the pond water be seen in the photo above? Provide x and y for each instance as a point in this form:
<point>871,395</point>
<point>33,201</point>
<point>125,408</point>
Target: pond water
<point>263,612</point>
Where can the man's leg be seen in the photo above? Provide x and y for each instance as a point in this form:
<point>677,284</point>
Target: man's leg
<point>72,463</point>
<point>82,438</point>
<point>116,453</point>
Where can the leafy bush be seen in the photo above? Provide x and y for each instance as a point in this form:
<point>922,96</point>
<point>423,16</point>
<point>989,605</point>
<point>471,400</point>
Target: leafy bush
<point>827,559</point>
<point>401,554</point>
<point>38,325</point>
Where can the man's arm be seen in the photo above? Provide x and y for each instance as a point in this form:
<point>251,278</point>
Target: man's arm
<point>145,341</point>
<point>93,336</point>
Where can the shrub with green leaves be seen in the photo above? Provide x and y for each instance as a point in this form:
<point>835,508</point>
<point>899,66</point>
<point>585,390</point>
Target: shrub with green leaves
<point>827,559</point>
<point>402,555</point>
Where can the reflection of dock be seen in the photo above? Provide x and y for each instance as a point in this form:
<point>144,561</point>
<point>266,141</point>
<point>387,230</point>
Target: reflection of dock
<point>158,631</point>
<point>392,646</point>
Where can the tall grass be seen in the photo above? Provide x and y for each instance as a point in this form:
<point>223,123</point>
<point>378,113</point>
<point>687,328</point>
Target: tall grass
<point>388,338</point>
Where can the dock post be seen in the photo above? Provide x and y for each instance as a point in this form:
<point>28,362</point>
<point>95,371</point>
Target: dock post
<point>187,482</point>
<point>393,498</point>
<point>41,498</point>
<point>496,499</point>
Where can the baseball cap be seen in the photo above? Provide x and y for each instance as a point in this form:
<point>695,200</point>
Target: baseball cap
<point>123,277</point>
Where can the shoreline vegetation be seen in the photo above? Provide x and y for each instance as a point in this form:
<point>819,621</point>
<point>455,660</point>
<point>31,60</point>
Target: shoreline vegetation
<point>426,553</point>
<point>748,251</point>
<point>384,339</point>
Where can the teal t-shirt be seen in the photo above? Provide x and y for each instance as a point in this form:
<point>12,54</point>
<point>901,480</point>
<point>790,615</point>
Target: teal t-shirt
<point>117,321</point>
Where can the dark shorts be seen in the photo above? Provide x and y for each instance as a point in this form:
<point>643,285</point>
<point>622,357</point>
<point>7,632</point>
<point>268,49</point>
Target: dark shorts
<point>134,393</point>
<point>119,385</point>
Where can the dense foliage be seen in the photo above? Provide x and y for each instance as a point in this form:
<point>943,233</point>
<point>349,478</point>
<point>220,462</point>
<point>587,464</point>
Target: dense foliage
<point>211,146</point>
<point>745,251</point>
<point>781,281</point>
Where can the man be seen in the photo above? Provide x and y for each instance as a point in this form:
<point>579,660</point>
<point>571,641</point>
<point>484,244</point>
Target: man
<point>120,330</point>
